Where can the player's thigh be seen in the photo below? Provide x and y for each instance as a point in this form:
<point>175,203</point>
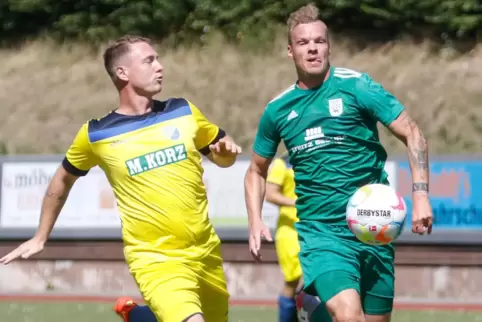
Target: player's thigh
<point>329,268</point>
<point>171,290</point>
<point>213,289</point>
<point>337,283</point>
<point>287,250</point>
<point>378,282</point>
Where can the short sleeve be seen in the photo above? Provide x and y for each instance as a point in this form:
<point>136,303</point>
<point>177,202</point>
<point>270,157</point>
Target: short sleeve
<point>277,172</point>
<point>377,101</point>
<point>80,158</point>
<point>267,138</point>
<point>207,132</point>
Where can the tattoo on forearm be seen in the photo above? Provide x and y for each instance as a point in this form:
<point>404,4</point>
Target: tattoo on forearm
<point>420,187</point>
<point>417,150</point>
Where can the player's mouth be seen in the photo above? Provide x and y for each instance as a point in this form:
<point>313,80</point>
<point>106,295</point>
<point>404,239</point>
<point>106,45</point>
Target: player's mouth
<point>314,60</point>
<point>159,79</point>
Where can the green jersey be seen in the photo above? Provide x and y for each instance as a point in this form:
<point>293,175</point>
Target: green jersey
<point>332,138</point>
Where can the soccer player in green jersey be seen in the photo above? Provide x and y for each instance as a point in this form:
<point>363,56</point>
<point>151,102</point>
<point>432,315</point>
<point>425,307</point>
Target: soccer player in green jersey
<point>328,122</point>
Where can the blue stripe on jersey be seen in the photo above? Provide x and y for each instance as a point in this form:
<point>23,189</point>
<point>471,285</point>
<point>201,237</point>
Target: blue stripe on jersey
<point>120,124</point>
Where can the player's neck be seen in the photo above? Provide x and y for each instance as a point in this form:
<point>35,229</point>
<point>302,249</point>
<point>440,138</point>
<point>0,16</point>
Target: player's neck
<point>309,81</point>
<point>133,104</point>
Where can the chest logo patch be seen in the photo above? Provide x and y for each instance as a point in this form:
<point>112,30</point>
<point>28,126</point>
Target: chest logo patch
<point>335,106</point>
<point>172,132</point>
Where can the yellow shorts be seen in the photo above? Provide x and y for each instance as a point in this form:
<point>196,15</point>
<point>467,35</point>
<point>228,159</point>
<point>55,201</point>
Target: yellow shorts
<point>287,249</point>
<point>176,290</point>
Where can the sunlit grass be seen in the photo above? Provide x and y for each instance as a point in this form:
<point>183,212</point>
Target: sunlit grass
<point>81,312</point>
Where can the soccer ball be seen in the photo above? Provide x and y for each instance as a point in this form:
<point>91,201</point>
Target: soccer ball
<point>376,214</point>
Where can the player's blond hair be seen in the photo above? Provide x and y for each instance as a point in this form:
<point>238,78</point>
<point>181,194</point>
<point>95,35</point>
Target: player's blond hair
<point>306,14</point>
<point>119,48</point>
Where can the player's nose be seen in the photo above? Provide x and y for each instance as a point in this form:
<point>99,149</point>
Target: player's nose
<point>158,67</point>
<point>312,47</point>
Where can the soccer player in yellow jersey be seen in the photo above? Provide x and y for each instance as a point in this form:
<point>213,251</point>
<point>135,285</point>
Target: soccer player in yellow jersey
<point>151,153</point>
<point>280,190</point>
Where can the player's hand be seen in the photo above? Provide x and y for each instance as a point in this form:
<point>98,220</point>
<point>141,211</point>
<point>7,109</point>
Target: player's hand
<point>225,147</point>
<point>422,215</point>
<point>25,250</point>
<point>256,232</point>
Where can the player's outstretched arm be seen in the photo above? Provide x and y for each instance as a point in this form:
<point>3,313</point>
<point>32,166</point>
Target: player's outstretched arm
<point>53,201</point>
<point>224,152</point>
<point>255,189</point>
<point>405,128</point>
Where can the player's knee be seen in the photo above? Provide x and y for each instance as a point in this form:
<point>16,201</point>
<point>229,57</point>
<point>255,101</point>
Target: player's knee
<point>195,318</point>
<point>346,307</point>
<point>348,314</point>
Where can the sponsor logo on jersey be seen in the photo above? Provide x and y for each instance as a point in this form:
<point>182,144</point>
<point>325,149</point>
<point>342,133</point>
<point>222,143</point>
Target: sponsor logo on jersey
<point>335,106</point>
<point>316,139</point>
<point>156,159</point>
<point>314,133</point>
<point>292,115</point>
<point>373,213</point>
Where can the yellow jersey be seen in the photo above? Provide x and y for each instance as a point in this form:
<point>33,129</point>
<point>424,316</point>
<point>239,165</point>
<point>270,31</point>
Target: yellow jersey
<point>282,174</point>
<point>153,163</point>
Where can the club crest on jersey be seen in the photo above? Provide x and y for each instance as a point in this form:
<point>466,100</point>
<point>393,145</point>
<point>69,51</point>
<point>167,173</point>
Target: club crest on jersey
<point>335,106</point>
<point>172,132</point>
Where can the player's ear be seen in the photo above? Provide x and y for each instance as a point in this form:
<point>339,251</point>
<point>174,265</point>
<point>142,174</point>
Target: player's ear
<point>121,73</point>
<point>290,51</point>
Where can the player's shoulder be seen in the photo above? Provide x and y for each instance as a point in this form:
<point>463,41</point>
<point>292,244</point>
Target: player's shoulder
<point>175,104</point>
<point>161,110</point>
<point>172,104</point>
<point>183,103</point>
<point>281,98</point>
<point>113,119</point>
<point>350,77</point>
<point>105,121</point>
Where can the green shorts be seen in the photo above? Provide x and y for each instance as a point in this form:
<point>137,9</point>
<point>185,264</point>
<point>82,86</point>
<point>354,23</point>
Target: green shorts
<point>334,262</point>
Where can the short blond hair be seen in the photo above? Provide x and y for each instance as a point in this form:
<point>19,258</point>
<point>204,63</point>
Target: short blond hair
<point>118,49</point>
<point>306,14</point>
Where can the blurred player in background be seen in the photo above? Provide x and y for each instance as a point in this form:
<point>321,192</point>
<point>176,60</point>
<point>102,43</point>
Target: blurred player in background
<point>280,191</point>
<point>151,152</point>
<point>328,122</point>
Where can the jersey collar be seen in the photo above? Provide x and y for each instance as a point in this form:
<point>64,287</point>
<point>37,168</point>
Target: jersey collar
<point>322,87</point>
